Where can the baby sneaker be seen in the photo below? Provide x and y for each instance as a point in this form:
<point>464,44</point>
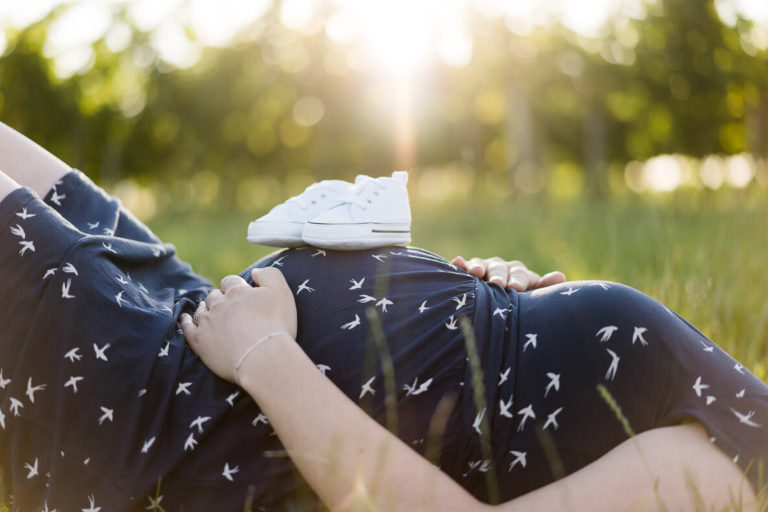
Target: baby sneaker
<point>283,225</point>
<point>375,213</point>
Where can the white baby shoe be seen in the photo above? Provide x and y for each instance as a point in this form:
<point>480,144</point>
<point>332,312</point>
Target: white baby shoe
<point>283,225</point>
<point>374,213</point>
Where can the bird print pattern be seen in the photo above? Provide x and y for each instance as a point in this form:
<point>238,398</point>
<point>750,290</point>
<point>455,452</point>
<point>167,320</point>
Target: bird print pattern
<point>104,398</point>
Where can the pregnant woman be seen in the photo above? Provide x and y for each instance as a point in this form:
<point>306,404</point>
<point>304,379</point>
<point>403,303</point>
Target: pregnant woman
<point>104,406</point>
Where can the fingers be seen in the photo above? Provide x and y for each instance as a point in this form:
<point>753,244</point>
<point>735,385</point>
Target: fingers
<point>477,267</point>
<point>268,277</point>
<point>497,271</point>
<point>188,326</point>
<point>230,282</point>
<point>460,262</point>
<point>213,297</point>
<point>551,278</point>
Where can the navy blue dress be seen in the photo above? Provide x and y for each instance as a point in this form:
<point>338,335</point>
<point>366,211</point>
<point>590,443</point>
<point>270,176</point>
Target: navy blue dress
<point>104,407</point>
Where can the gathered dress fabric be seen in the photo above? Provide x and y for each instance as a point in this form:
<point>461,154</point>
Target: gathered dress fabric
<point>103,406</point>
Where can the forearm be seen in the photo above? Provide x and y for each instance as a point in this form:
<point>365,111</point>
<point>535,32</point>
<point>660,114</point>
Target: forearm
<point>7,185</point>
<point>27,162</point>
<point>345,456</point>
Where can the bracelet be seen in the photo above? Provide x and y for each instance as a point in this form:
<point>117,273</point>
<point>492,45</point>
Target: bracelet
<point>250,349</point>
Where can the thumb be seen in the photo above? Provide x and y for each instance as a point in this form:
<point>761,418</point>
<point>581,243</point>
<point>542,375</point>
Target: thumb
<point>268,277</point>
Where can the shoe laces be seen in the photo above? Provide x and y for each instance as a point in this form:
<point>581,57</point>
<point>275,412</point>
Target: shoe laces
<point>364,194</point>
<point>311,196</point>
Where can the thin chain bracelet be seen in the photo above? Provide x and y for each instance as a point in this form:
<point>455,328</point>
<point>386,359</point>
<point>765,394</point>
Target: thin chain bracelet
<point>251,349</point>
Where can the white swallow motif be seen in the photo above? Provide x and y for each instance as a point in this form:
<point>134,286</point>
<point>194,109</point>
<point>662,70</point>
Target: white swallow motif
<point>50,272</point>
<point>473,466</point>
<point>260,419</point>
<point>143,288</point>
<point>107,414</point>
<point>570,291</point>
<point>198,422</point>
<point>364,299</point>
<point>100,352</point>
<point>32,468</point>
<point>278,262</point>
<point>383,303</point>
<point>478,420</point>
<point>190,443</point>
<point>26,245</point>
<point>460,302</point>
<point>531,340</point>
<point>92,505</point>
<point>15,406</point>
<point>303,286</point>
<point>738,368</point>
<point>72,383</point>
<point>554,382</point>
<point>504,376</point>
<point>746,418</point>
<point>698,386</point>
<point>413,390</point>
<point>148,444</point>
<point>56,198</point>
<point>3,382</point>
<point>65,290</point>
<point>93,225</point>
<point>231,398</point>
<point>452,323</point>
<point>119,298</point>
<point>708,348</point>
<point>24,215</point>
<point>423,307</point>
<point>323,368</point>
<point>69,268</point>
<point>356,285</point>
<point>121,280</point>
<point>611,373</point>
<point>601,284</point>
<point>142,392</point>
<point>501,312</point>
<point>527,412</point>
<point>367,388</point>
<point>108,247</point>
<point>45,506</point>
<point>740,394</point>
<point>164,350</point>
<point>108,232</point>
<point>18,231</point>
<point>183,387</point>
<point>2,420</point>
<point>351,325</point>
<point>319,252</point>
<point>504,407</point>
<point>520,458</point>
<point>638,335</point>
<point>379,257</point>
<point>31,390</point>
<point>552,420</point>
<point>228,472</point>
<point>154,503</point>
<point>710,399</point>
<point>157,251</point>
<point>606,332</point>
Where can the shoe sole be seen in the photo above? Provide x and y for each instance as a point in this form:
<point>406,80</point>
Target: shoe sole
<point>276,234</point>
<point>350,237</point>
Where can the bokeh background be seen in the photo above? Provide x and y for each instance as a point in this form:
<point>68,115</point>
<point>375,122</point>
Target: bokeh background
<point>624,140</point>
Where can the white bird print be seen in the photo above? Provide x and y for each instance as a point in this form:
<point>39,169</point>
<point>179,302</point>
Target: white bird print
<point>606,332</point>
<point>100,351</point>
<point>738,368</point>
<point>65,290</point>
<point>554,382</point>
<point>121,280</point>
<point>505,407</point>
<point>50,272</point>
<point>413,390</point>
<point>367,388</point>
<point>142,392</point>
<point>501,312</point>
<point>17,230</point>
<point>423,307</point>
<point>478,420</point>
<point>740,394</point>
<point>119,298</point>
<point>31,390</point>
<point>93,225</point>
<point>601,284</point>
<point>303,286</point>
<point>356,285</point>
<point>190,443</point>
<point>183,387</point>
<point>527,412</point>
<point>154,503</point>
<point>698,386</point>
<point>157,251</point>
<point>228,472</point>
<point>710,399</point>
<point>319,252</point>
<point>72,382</point>
<point>198,422</point>
<point>45,507</point>
<point>92,507</point>
<point>638,335</point>
<point>278,262</point>
<point>551,420</point>
<point>69,268</point>
<point>379,257</point>
<point>26,245</point>
<point>460,302</point>
<point>531,341</point>
<point>477,465</point>
<point>323,368</point>
<point>351,325</point>
<point>746,418</point>
<point>452,323</point>
<point>611,373</point>
<point>709,348</point>
<point>3,382</point>
<point>164,350</point>
<point>519,459</point>
<point>16,405</point>
<point>108,232</point>
<point>143,288</point>
<point>504,376</point>
<point>260,419</point>
<point>570,291</point>
<point>148,444</point>
<point>384,303</point>
<point>32,468</point>
<point>24,215</point>
<point>108,414</point>
<point>231,398</point>
<point>364,299</point>
<point>56,198</point>
<point>108,247</point>
<point>2,420</point>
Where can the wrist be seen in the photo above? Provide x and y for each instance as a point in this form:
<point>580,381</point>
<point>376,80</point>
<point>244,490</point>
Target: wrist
<point>260,363</point>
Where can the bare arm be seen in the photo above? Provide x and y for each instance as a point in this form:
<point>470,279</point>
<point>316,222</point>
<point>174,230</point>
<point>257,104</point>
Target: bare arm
<point>28,163</point>
<point>7,185</point>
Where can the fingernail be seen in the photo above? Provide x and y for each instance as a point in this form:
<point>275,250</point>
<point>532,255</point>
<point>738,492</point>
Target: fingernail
<point>497,280</point>
<point>514,283</point>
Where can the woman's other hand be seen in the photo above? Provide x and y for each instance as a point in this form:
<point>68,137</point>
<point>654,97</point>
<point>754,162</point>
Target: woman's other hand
<point>230,320</point>
<point>508,274</point>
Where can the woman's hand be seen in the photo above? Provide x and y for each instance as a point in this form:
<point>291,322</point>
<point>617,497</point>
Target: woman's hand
<point>229,321</point>
<point>508,274</point>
